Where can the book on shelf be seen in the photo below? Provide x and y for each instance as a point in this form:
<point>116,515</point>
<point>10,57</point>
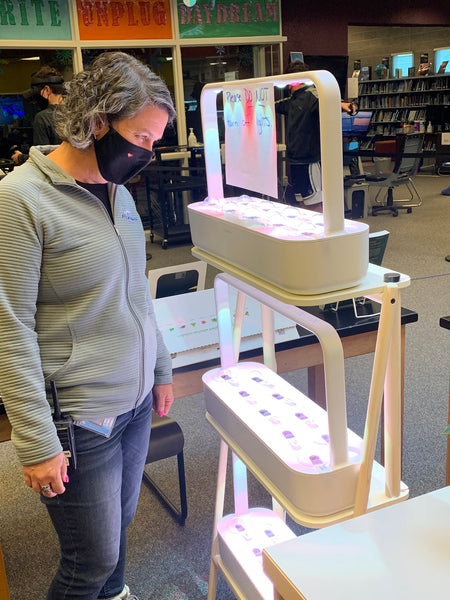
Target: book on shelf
<point>403,101</point>
<point>443,66</point>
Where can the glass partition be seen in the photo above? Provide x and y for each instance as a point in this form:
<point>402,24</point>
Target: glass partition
<point>18,106</point>
<point>160,61</point>
<point>206,64</point>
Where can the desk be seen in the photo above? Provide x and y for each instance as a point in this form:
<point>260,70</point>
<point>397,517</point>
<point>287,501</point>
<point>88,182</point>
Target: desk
<point>5,428</point>
<point>401,551</point>
<point>358,337</point>
<point>445,322</point>
<point>4,592</point>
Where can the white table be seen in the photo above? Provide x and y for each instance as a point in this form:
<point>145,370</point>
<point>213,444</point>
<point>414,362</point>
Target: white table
<point>400,552</point>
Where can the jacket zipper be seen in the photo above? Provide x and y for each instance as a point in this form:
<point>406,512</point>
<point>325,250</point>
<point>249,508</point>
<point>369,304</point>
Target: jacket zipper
<point>112,188</point>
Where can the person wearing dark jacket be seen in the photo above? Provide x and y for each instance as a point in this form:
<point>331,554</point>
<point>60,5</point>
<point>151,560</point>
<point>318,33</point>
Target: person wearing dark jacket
<point>48,84</point>
<point>301,111</point>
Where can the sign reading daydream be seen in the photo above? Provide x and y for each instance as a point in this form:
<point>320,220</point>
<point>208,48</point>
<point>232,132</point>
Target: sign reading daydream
<point>34,20</point>
<point>228,18</point>
<point>250,137</point>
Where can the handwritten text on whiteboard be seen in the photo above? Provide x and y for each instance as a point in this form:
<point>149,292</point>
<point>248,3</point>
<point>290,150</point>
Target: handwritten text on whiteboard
<point>250,137</point>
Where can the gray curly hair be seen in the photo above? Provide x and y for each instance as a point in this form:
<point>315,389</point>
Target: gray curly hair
<point>115,86</point>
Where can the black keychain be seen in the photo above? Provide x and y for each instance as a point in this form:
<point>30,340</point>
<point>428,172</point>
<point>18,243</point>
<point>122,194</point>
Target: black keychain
<point>65,430</point>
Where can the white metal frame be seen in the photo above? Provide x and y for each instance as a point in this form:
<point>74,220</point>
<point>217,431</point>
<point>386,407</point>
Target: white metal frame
<point>386,381</point>
<point>330,139</point>
<point>386,375</point>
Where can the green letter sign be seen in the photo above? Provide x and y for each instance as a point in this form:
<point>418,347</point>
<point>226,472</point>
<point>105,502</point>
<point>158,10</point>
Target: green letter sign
<point>228,18</point>
<point>34,20</point>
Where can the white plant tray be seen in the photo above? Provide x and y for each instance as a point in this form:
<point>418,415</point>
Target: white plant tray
<point>284,436</point>
<point>284,245</point>
<point>241,542</point>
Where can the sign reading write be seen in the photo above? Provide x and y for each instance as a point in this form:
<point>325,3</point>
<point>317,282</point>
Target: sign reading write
<point>34,20</point>
<point>250,138</point>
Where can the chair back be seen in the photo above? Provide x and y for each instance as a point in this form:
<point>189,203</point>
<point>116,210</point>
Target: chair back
<point>406,166</point>
<point>377,246</point>
<point>177,279</point>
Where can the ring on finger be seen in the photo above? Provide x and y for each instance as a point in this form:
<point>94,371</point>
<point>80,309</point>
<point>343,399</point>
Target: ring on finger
<point>46,488</point>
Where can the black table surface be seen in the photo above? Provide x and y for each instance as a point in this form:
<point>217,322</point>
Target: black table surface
<point>343,320</point>
<point>445,322</point>
<point>346,323</point>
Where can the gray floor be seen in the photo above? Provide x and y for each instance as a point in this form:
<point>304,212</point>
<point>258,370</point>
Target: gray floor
<point>169,562</point>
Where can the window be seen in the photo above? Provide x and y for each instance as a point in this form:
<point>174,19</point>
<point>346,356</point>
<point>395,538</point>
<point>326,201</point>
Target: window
<point>401,63</point>
<point>442,60</point>
<point>205,64</point>
<point>18,106</point>
<point>160,62</point>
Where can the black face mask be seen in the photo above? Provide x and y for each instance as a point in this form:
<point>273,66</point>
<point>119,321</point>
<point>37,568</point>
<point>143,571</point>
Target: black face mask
<point>33,95</point>
<point>118,159</point>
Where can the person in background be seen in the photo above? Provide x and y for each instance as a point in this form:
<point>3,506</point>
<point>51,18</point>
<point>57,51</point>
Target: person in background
<point>194,117</point>
<point>301,110</point>
<point>77,318</point>
<point>48,84</point>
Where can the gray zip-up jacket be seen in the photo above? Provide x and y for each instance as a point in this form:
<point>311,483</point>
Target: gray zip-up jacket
<point>75,305</point>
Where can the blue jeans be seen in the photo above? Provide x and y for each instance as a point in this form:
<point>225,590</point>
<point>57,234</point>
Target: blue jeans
<point>99,503</point>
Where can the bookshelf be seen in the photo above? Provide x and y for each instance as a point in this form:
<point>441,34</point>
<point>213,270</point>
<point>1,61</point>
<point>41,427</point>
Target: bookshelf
<point>401,101</point>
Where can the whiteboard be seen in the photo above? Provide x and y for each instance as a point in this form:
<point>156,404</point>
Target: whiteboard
<point>250,137</point>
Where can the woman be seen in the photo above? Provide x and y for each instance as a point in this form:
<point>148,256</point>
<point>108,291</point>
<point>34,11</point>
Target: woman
<point>75,309</point>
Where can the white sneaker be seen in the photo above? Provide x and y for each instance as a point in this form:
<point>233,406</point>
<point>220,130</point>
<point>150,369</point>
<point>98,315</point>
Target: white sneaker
<point>124,595</point>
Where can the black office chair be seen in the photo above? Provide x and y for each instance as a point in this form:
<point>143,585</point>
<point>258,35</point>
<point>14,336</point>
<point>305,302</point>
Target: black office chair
<point>177,279</point>
<point>442,163</point>
<point>167,440</point>
<point>404,168</point>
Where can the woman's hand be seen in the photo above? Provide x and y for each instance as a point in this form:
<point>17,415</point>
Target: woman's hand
<point>48,477</point>
<point>162,398</point>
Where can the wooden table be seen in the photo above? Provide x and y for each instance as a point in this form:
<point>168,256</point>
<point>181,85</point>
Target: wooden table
<point>401,551</point>
<point>4,591</point>
<point>5,429</point>
<point>358,337</point>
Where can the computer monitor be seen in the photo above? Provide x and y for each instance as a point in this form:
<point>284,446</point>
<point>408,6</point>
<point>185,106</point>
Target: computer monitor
<point>358,125</point>
<point>438,114</point>
<point>11,108</point>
